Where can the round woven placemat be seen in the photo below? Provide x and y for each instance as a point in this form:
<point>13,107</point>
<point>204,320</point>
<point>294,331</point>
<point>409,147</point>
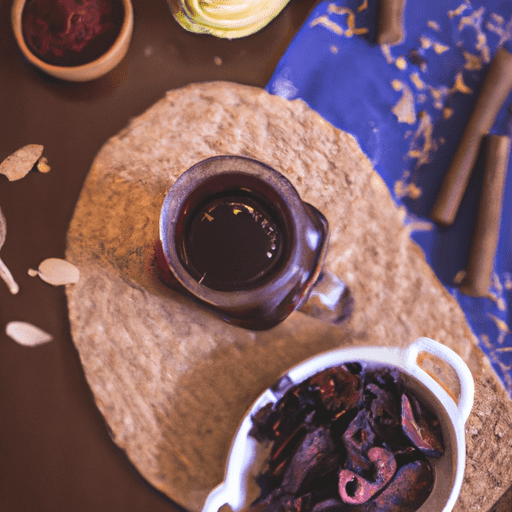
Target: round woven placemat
<point>173,381</point>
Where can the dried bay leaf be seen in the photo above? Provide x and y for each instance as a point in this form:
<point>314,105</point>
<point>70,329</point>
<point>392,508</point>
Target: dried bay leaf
<point>21,162</point>
<point>56,271</point>
<point>27,334</point>
<point>5,273</point>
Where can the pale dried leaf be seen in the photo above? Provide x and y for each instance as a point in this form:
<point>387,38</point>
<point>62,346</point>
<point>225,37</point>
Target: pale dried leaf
<point>27,334</point>
<point>58,272</point>
<point>5,274</point>
<point>21,162</point>
<point>3,229</point>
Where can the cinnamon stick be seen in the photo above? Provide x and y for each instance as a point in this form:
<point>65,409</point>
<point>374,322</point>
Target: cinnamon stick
<point>495,89</point>
<point>390,21</point>
<point>485,239</point>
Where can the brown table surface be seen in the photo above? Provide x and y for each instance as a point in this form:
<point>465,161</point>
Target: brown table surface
<point>55,451</point>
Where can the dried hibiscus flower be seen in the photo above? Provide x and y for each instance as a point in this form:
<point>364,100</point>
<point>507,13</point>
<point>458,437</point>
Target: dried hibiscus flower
<point>347,438</point>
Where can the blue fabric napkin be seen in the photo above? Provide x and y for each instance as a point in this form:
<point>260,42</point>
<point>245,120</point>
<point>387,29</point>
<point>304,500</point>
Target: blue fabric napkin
<point>407,106</point>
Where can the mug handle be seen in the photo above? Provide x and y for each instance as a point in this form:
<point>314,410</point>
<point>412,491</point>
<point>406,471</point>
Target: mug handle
<point>329,299</point>
<point>467,384</point>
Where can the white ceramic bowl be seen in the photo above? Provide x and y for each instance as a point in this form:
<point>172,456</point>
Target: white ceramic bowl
<point>85,72</point>
<point>246,457</point>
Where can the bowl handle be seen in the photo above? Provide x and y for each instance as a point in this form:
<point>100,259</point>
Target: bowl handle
<point>467,384</point>
<point>216,499</point>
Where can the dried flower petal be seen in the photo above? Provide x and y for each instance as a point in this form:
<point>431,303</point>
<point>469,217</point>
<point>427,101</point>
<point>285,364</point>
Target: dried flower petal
<point>57,272</point>
<point>339,389</point>
<point>27,334</point>
<point>21,162</point>
<point>354,489</point>
<point>419,432</point>
<point>315,457</point>
<point>407,491</point>
<point>5,274</point>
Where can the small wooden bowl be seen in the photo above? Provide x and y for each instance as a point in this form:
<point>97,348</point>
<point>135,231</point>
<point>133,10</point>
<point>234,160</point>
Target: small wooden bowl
<point>85,72</point>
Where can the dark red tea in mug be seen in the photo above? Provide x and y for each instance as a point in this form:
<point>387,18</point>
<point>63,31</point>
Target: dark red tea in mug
<point>233,241</point>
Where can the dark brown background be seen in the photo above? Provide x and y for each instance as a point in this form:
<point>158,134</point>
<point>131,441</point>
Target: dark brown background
<point>55,450</point>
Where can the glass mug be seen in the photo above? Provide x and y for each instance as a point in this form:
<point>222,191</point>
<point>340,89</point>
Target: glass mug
<point>237,239</point>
